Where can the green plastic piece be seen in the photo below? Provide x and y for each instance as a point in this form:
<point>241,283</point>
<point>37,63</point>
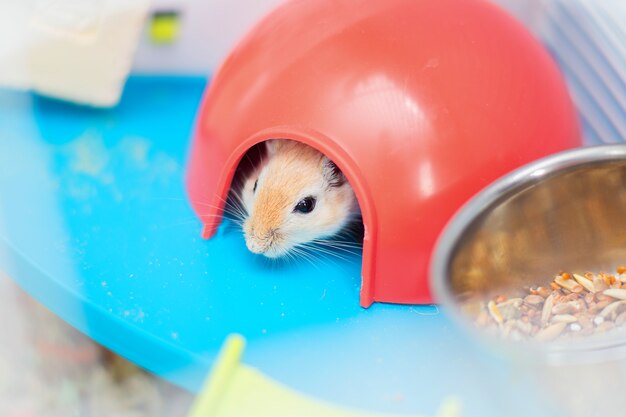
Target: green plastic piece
<point>164,28</point>
<point>235,390</point>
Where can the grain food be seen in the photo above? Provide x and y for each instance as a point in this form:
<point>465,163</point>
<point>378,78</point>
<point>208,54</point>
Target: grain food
<point>571,305</point>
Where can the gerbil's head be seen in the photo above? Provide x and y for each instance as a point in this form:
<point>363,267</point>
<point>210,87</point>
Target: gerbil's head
<point>296,195</point>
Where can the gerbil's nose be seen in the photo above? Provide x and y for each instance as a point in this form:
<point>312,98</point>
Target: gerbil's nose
<point>254,246</point>
<point>255,242</point>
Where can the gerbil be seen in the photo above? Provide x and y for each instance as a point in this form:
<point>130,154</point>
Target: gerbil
<point>294,197</point>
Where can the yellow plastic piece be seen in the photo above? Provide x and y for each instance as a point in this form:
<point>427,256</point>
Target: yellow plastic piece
<point>236,390</point>
<point>164,29</point>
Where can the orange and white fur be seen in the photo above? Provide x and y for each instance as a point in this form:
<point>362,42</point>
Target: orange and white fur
<point>294,197</point>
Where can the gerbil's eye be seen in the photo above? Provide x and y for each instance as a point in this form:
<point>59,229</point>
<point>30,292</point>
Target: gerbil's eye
<point>306,205</point>
<point>255,184</point>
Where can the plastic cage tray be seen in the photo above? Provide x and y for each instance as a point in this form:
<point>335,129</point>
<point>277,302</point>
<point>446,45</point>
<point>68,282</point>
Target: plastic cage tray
<point>95,224</point>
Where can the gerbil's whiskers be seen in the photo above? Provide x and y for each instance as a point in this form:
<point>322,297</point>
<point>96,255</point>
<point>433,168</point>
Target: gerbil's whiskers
<point>352,248</point>
<point>339,245</point>
<point>235,205</point>
<point>215,217</point>
<point>328,250</point>
<point>234,212</point>
<point>302,253</point>
<point>318,254</point>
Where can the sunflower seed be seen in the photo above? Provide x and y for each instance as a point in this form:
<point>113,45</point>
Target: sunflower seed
<point>550,332</point>
<point>588,284</point>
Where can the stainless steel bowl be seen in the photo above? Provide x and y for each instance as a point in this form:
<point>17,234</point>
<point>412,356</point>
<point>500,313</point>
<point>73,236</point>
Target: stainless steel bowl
<point>564,212</point>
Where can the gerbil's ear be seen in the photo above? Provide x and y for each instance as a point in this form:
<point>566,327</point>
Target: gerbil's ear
<point>272,146</point>
<point>332,174</point>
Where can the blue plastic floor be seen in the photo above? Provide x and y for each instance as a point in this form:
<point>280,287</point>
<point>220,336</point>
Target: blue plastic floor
<point>94,223</point>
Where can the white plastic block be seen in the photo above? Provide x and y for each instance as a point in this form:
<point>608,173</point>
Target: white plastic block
<point>77,50</point>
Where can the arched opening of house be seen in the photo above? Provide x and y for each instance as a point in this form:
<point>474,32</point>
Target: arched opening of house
<point>344,244</point>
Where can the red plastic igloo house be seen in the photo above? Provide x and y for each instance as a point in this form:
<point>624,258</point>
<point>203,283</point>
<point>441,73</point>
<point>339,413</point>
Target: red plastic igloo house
<point>421,103</point>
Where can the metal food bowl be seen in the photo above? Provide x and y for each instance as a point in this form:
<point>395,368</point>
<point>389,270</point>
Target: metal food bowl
<point>566,212</point>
